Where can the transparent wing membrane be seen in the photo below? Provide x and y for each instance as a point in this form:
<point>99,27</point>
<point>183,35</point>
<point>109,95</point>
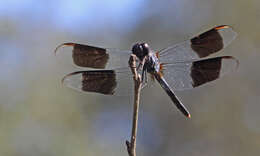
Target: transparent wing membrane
<point>87,56</point>
<point>203,45</point>
<point>188,75</point>
<point>107,82</point>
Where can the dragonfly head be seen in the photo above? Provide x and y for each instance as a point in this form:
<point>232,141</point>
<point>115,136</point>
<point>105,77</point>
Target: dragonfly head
<point>141,50</point>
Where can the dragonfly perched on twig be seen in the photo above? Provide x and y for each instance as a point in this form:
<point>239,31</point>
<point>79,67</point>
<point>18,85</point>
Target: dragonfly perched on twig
<point>182,66</point>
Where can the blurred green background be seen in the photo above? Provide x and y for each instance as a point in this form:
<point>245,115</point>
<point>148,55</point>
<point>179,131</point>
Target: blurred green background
<point>39,116</point>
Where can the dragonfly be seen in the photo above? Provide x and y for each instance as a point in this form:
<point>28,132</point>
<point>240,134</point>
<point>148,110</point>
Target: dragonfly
<point>182,66</point>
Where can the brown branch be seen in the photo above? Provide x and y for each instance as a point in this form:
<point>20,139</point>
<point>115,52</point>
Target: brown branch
<point>131,146</point>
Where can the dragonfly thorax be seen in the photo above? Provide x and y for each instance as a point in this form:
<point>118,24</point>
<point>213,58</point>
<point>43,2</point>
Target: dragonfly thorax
<point>152,64</point>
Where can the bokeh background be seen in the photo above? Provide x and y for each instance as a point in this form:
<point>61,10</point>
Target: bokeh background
<point>39,116</point>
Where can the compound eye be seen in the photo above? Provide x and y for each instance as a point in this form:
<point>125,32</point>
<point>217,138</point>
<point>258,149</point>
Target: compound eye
<point>145,48</point>
<point>137,49</point>
<point>146,45</point>
<point>140,48</point>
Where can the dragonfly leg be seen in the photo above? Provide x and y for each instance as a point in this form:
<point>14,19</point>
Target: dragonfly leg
<point>143,75</point>
<point>139,66</point>
<point>144,79</point>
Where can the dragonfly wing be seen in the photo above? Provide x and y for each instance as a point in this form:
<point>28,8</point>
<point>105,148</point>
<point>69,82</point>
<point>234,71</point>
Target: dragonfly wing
<point>200,46</point>
<point>187,75</point>
<point>107,82</point>
<point>87,56</point>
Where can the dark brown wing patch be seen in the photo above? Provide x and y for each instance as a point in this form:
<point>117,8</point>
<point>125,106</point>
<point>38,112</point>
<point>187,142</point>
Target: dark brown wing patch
<point>208,42</point>
<point>207,70</point>
<point>87,56</point>
<point>99,81</point>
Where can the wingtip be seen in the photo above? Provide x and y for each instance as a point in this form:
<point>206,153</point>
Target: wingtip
<point>224,27</point>
<point>64,78</point>
<point>236,61</point>
<point>220,27</point>
<point>62,45</point>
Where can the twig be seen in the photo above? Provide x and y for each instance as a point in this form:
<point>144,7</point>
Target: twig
<point>131,146</point>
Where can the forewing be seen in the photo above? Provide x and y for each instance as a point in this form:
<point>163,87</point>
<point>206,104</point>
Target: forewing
<point>187,75</point>
<point>107,82</point>
<point>200,46</point>
<point>92,57</point>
